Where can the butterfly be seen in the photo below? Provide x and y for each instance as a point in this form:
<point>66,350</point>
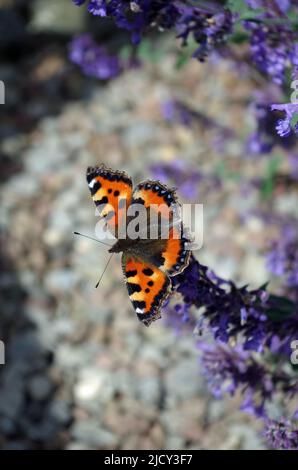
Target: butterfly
<point>148,264</point>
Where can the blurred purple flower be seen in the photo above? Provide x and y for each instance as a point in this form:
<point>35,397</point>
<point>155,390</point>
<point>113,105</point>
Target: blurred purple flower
<point>93,59</point>
<point>175,111</point>
<point>280,6</point>
<point>179,319</point>
<point>264,137</point>
<point>284,126</point>
<point>293,163</point>
<point>282,259</point>
<point>190,181</point>
<point>98,7</point>
<point>228,369</point>
<point>273,44</point>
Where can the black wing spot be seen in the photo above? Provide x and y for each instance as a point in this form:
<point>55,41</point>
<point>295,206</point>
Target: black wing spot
<point>139,200</point>
<point>110,190</point>
<point>95,188</point>
<point>139,304</point>
<point>116,193</point>
<point>147,290</point>
<point>103,200</point>
<point>132,288</point>
<point>131,273</point>
<point>150,283</point>
<point>147,271</point>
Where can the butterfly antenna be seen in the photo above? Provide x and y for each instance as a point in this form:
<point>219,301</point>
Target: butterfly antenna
<point>104,270</point>
<point>91,238</point>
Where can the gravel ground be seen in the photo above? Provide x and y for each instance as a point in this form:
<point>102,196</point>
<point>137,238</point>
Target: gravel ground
<point>81,372</point>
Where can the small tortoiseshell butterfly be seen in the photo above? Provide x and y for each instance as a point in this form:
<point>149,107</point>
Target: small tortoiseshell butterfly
<point>147,264</point>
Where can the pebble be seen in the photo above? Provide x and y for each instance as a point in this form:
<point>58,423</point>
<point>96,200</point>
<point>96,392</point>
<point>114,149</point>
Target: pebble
<point>90,433</point>
<point>40,387</point>
<point>93,384</point>
<point>183,381</point>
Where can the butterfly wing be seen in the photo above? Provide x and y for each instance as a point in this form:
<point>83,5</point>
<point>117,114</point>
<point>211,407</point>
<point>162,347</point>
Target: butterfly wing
<point>112,193</point>
<point>148,287</point>
<point>170,252</point>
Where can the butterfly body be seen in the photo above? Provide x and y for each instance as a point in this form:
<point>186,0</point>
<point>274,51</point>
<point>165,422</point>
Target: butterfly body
<point>148,262</point>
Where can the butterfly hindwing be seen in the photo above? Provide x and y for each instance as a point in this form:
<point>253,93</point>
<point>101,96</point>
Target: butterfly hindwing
<point>148,287</point>
<point>111,192</point>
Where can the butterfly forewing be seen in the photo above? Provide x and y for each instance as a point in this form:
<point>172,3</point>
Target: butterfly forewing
<point>148,287</point>
<point>112,193</point>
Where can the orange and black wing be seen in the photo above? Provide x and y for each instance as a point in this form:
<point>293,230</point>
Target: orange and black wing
<point>148,287</point>
<point>171,256</point>
<point>176,253</point>
<point>112,193</point>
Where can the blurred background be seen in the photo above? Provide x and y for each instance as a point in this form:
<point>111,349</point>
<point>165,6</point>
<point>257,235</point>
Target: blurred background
<point>81,371</point>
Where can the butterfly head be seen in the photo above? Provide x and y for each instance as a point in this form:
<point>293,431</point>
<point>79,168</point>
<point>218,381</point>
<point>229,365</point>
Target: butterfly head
<point>121,245</point>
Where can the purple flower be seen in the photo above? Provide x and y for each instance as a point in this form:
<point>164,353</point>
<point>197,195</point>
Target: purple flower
<point>284,127</point>
<point>191,182</point>
<point>175,111</point>
<point>209,30</point>
<point>263,139</point>
<point>266,318</point>
<point>98,7</point>
<point>282,259</point>
<point>293,163</point>
<point>228,369</point>
<point>273,44</point>
<point>279,6</point>
<point>282,434</point>
<point>136,16</point>
<point>93,59</point>
<point>179,319</point>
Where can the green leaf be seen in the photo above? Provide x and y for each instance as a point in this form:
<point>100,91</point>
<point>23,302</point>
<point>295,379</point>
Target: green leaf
<point>147,52</point>
<point>224,173</point>
<point>125,52</point>
<point>244,11</point>
<point>281,308</point>
<point>239,37</point>
<point>267,186</point>
<point>182,59</point>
